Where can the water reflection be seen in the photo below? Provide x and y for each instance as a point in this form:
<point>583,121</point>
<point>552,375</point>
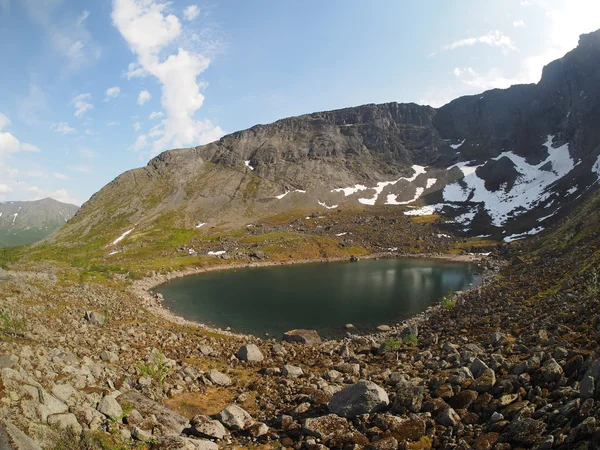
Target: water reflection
<point>320,296</point>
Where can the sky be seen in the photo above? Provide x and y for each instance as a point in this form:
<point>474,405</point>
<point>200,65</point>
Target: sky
<point>92,88</point>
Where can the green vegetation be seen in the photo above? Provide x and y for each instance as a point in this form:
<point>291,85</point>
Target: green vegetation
<point>95,440</point>
<point>592,282</point>
<point>12,326</point>
<point>392,345</point>
<point>411,340</point>
<point>155,368</point>
<point>447,301</point>
<point>9,256</point>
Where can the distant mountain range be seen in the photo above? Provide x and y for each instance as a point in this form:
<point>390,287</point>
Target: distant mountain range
<point>505,163</point>
<point>23,223</point>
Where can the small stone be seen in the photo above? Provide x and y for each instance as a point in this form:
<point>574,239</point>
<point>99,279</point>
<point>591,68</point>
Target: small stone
<point>485,382</point>
<point>551,370</point>
<point>464,399</point>
<point>448,417</point>
<point>525,430</point>
<point>496,417</point>
<point>349,326</point>
<point>383,328</point>
<point>109,357</point>
<point>584,430</point>
<point>258,429</point>
<point>250,353</point>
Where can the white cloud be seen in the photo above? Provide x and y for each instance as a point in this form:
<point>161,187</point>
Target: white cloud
<point>563,27</point>
<point>491,79</point>
<point>29,148</point>
<point>150,30</point>
<point>60,176</point>
<point>155,115</point>
<point>67,34</point>
<point>140,143</point>
<point>9,143</point>
<point>112,124</point>
<point>191,12</point>
<point>82,104</point>
<point>135,71</point>
<point>5,188</point>
<point>62,195</point>
<point>33,104</point>
<point>112,93</point>
<point>144,97</point>
<point>62,128</point>
<point>493,39</point>
<point>518,24</point>
<point>137,126</point>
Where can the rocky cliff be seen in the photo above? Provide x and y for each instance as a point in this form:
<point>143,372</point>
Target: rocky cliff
<point>505,163</point>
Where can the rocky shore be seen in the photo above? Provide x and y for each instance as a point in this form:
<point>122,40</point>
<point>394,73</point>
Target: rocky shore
<point>513,363</point>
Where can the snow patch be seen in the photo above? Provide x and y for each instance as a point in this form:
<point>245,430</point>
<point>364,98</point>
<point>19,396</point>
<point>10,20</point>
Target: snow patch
<point>247,163</point>
<point>217,253</point>
<point>457,146</point>
<point>350,190</point>
<point>341,234</point>
<point>199,225</point>
<point>515,237</point>
<point>531,186</point>
<point>391,198</point>
<point>327,206</point>
<point>572,190</point>
<point>381,185</point>
<point>430,182</point>
<point>120,238</point>
<point>300,191</point>
<point>424,211</point>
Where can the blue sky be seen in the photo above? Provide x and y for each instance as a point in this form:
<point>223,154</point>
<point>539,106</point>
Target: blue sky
<point>92,88</point>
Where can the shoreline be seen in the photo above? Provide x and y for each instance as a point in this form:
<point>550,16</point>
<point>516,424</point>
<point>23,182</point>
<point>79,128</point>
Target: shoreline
<point>142,289</point>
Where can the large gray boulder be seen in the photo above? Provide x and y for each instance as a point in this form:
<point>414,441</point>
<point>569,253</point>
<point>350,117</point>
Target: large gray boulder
<point>308,337</point>
<point>204,426</point>
<point>235,418</point>
<point>360,398</point>
<point>110,408</point>
<point>250,353</point>
<point>219,378</point>
<point>95,318</point>
<point>171,423</point>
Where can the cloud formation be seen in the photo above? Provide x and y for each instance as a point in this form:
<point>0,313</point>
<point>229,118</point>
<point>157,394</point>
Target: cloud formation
<point>493,39</point>
<point>112,93</point>
<point>62,128</point>
<point>150,31</point>
<point>191,12</point>
<point>144,97</point>
<point>82,104</point>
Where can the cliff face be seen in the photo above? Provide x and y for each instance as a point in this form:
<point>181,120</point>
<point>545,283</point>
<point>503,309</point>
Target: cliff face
<point>511,157</point>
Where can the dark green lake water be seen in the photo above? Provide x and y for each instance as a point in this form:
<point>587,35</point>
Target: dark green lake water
<point>322,296</point>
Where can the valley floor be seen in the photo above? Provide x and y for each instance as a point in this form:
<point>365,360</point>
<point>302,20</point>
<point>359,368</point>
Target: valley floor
<point>512,364</point>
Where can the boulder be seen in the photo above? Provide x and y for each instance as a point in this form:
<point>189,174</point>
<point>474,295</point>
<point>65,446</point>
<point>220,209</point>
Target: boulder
<point>360,398</point>
<point>169,421</point>
<point>485,382</point>
<point>110,408</point>
<point>219,378</point>
<point>66,422</point>
<point>182,443</point>
<point>292,371</point>
<point>95,318</point>
<point>333,430</point>
<point>308,337</point>
<point>250,353</point>
<point>408,397</point>
<point>524,430</point>
<point>235,418</point>
<point>204,426</point>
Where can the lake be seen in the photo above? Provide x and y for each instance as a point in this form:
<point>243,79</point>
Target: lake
<point>321,296</point>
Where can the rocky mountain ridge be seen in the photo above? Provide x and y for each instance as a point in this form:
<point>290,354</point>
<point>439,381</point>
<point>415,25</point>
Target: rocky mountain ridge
<point>501,163</point>
<point>23,223</point>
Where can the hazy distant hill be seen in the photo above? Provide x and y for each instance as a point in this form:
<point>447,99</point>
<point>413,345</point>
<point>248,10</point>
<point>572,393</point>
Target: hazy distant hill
<point>23,223</point>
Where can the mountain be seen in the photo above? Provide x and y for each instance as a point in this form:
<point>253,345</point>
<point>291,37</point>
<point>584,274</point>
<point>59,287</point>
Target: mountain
<point>505,163</point>
<point>23,223</point>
